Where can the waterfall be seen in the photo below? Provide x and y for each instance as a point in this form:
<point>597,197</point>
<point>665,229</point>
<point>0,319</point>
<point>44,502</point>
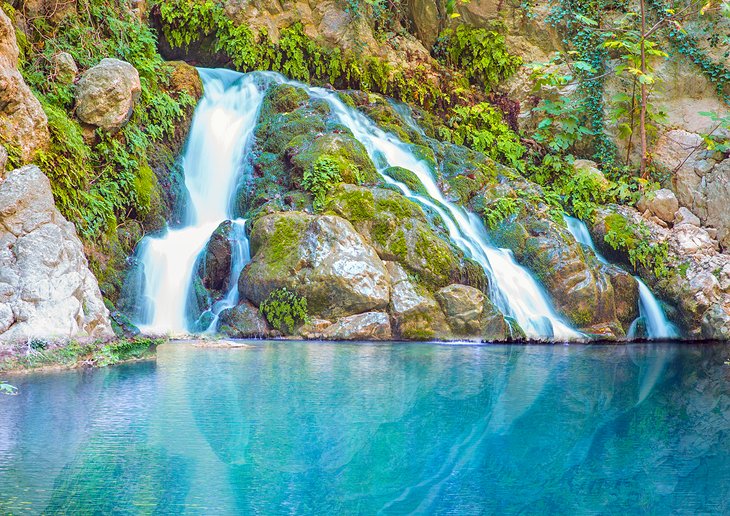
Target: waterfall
<point>513,289</point>
<point>655,319</point>
<point>213,160</point>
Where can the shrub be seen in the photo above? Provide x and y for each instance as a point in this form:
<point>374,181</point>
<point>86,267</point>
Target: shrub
<point>285,310</point>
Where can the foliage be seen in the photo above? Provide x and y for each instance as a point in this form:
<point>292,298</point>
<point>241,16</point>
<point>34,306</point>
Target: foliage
<point>636,241</point>
<point>6,388</point>
<point>97,184</point>
<point>500,209</point>
<point>481,55</point>
<point>481,128</point>
<point>285,310</point>
<point>320,178</point>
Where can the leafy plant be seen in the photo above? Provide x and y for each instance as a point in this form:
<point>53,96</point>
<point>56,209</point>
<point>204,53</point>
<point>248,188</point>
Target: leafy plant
<point>320,178</point>
<point>500,209</point>
<point>636,241</point>
<point>285,310</point>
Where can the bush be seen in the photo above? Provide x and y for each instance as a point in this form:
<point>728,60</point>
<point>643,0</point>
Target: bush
<point>285,310</point>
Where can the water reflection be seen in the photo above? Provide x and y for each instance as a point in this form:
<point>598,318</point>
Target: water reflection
<point>313,428</point>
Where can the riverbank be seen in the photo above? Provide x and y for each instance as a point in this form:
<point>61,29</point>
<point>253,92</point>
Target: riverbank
<point>37,355</point>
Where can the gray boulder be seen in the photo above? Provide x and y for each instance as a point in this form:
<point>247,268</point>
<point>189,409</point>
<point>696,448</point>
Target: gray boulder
<point>663,204</point>
<point>367,326</point>
<point>46,287</point>
<point>106,94</point>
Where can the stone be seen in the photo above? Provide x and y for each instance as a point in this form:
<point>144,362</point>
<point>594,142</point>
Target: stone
<point>716,322</point>
<point>45,282</point>
<point>23,122</point>
<point>463,306</point>
<point>693,240</point>
<point>215,265</point>
<point>684,216</point>
<point>64,67</point>
<point>322,258</point>
<point>242,321</point>
<point>416,314</point>
<point>3,160</point>
<point>314,328</point>
<point>367,326</point>
<point>106,94</point>
<point>663,203</point>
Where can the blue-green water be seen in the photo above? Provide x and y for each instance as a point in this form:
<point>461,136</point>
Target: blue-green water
<point>283,427</point>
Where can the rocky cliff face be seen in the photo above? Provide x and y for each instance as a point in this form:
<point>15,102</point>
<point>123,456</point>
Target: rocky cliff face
<point>46,288</point>
<point>23,123</point>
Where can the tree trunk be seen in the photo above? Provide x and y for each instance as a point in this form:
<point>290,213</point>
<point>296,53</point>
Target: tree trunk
<point>644,95</point>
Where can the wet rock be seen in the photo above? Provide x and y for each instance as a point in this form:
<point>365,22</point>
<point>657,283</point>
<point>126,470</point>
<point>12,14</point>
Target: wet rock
<point>215,265</point>
<point>242,321</point>
<point>106,94</point>
<point>64,67</point>
<point>322,258</point>
<point>416,314</point>
<point>463,306</point>
<point>22,120</point>
<point>716,322</point>
<point>684,216</point>
<point>367,326</point>
<point>663,203</point>
<point>314,328</point>
<point>46,288</point>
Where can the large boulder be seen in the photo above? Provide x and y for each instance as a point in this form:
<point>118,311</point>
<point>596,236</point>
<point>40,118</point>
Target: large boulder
<point>663,203</point>
<point>416,314</point>
<point>322,258</point>
<point>241,321</point>
<point>106,94</point>
<point>23,123</point>
<point>214,267</point>
<point>46,288</point>
<point>463,306</point>
<point>367,326</point>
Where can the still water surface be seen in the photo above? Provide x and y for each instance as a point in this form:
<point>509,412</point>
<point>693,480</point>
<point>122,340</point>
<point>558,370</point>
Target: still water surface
<point>283,428</point>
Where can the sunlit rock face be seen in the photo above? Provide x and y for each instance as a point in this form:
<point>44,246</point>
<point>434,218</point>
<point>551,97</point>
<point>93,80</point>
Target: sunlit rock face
<point>22,120</point>
<point>46,287</point>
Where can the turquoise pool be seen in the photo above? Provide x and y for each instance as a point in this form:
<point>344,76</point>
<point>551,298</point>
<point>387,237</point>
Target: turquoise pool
<point>334,428</point>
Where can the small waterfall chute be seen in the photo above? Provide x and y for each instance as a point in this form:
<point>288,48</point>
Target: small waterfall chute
<point>651,313</point>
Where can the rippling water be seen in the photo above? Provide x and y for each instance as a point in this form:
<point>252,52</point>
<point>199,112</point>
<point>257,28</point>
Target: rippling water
<point>283,427</point>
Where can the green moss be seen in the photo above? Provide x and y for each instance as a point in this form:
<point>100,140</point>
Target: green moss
<point>406,177</point>
<point>283,98</point>
<point>435,253</point>
<point>356,205</point>
<point>283,244</point>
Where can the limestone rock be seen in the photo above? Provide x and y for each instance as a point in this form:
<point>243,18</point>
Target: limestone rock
<point>22,120</point>
<point>463,306</point>
<point>46,288</point>
<point>3,160</point>
<point>106,94</point>
<point>322,258</point>
<point>64,67</point>
<point>314,329</point>
<point>416,314</point>
<point>242,321</point>
<point>367,326</point>
<point>693,240</point>
<point>716,322</point>
<point>663,204</point>
<point>684,216</point>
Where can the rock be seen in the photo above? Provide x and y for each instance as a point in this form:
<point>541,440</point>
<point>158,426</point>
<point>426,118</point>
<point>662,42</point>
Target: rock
<point>64,67</point>
<point>684,216</point>
<point>3,160</point>
<point>367,326</point>
<point>322,258</point>
<point>22,120</point>
<point>242,321</point>
<point>463,306</point>
<point>427,20</point>
<point>716,322</point>
<point>215,265</point>
<point>106,94</point>
<point>712,205</point>
<point>45,282</point>
<point>693,240</point>
<point>416,314</point>
<point>314,329</point>
<point>663,203</point>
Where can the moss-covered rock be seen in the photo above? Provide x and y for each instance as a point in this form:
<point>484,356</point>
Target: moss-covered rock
<point>399,231</point>
<point>321,258</point>
<point>214,267</point>
<point>242,321</point>
<point>408,178</point>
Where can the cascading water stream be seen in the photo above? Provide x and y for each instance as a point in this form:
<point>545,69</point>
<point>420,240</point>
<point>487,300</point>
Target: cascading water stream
<point>219,138</point>
<point>657,324</point>
<point>514,290</point>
